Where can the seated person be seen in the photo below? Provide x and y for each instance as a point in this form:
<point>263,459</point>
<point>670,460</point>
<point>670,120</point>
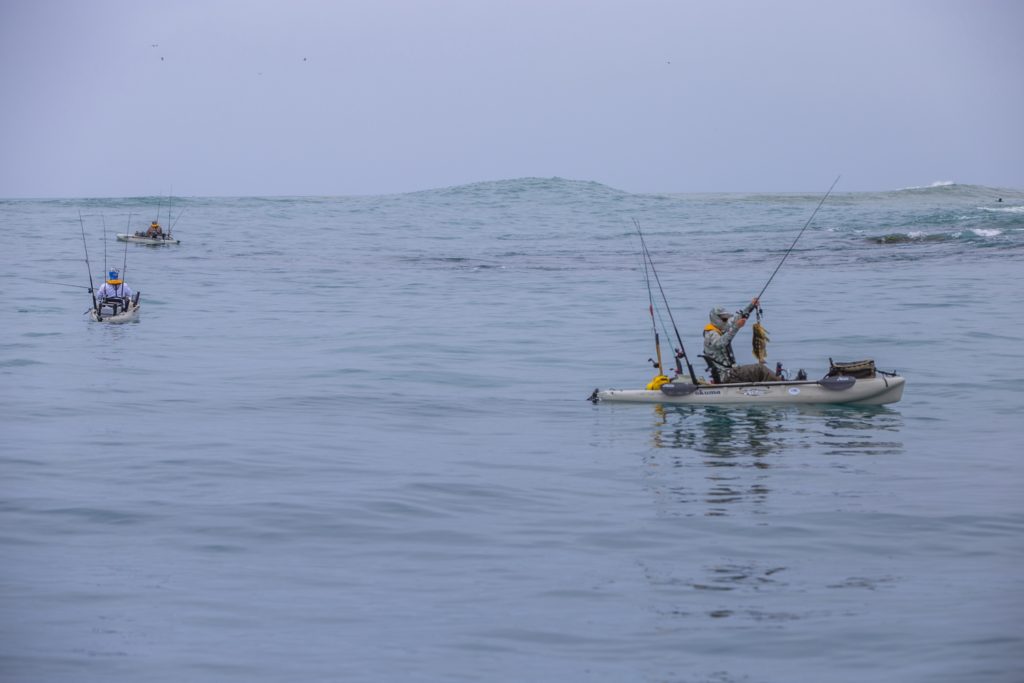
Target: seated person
<point>718,348</point>
<point>114,293</point>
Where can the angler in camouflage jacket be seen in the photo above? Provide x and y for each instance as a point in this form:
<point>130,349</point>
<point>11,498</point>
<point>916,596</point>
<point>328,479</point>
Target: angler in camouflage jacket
<point>718,348</point>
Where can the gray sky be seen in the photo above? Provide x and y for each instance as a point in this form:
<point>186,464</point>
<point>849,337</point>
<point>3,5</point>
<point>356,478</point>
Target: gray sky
<point>106,98</point>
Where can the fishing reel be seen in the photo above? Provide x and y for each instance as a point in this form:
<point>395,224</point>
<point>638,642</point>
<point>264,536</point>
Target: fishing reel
<point>654,363</point>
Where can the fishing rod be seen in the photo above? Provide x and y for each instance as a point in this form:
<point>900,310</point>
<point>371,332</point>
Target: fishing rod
<point>784,256</point>
<point>95,307</point>
<point>654,325</point>
<point>171,227</point>
<point>104,242</point>
<point>124,267</point>
<point>681,351</point>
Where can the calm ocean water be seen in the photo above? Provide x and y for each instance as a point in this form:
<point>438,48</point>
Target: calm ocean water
<point>348,440</point>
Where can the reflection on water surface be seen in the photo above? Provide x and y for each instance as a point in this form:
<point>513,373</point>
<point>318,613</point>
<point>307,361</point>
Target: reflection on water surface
<point>722,456</point>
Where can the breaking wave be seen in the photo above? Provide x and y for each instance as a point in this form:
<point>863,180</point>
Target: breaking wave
<point>922,237</point>
<point>937,183</point>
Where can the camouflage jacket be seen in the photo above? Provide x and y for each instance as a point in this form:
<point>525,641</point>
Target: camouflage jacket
<point>718,341</point>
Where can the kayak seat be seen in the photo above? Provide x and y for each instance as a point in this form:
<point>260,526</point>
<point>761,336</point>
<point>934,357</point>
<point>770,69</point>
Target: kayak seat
<point>115,303</point>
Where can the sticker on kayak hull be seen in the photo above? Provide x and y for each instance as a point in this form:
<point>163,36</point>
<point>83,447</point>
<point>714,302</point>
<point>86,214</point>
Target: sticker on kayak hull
<point>793,391</point>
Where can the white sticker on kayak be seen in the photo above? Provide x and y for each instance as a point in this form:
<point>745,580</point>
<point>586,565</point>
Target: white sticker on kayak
<point>794,391</point>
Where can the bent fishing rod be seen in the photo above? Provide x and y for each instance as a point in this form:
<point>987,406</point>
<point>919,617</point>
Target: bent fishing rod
<point>88,267</point>
<point>784,256</point>
<point>681,352</point>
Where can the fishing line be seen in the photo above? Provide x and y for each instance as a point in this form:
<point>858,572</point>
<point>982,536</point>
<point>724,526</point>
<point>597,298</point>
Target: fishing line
<point>59,284</point>
<point>798,236</point>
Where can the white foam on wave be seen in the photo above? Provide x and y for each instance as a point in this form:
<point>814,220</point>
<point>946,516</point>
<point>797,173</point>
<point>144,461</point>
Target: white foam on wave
<point>1003,209</point>
<point>937,183</point>
<point>986,232</point>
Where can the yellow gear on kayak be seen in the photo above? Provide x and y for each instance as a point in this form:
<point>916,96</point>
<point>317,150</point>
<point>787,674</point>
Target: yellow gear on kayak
<point>656,383</point>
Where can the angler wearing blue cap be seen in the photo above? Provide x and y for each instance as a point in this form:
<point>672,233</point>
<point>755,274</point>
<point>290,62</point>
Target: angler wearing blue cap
<point>114,288</point>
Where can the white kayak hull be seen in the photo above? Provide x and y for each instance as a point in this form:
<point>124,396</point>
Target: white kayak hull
<point>140,239</point>
<point>106,316</point>
<point>878,390</point>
